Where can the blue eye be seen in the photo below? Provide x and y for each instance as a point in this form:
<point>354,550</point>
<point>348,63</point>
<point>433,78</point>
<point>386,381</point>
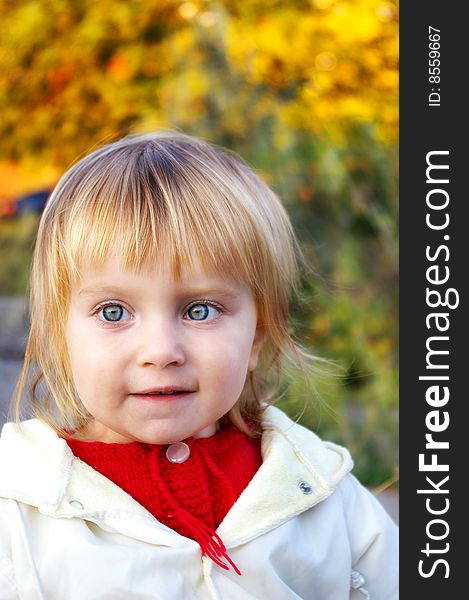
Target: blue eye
<point>114,313</point>
<point>202,312</point>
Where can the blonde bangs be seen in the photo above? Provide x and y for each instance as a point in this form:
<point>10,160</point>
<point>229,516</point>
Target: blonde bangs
<point>139,235</point>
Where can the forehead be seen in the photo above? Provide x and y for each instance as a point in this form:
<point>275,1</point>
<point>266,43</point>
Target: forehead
<point>112,273</point>
<point>178,250</point>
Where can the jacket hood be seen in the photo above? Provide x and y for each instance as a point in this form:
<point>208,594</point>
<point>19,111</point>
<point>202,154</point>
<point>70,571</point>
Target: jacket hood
<point>298,471</point>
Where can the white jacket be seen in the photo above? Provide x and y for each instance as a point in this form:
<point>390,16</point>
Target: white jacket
<point>298,531</point>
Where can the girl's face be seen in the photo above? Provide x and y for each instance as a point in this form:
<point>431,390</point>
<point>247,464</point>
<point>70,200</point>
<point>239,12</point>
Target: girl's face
<point>155,359</point>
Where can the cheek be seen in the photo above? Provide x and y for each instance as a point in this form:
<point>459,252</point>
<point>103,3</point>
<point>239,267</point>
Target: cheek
<point>86,362</point>
<point>229,362</point>
<point>83,376</point>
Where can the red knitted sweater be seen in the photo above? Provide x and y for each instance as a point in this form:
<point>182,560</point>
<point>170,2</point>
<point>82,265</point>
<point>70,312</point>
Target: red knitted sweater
<point>192,497</point>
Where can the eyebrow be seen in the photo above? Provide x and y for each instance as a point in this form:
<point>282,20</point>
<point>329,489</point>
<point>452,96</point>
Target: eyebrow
<point>225,289</point>
<point>99,289</point>
<point>190,290</point>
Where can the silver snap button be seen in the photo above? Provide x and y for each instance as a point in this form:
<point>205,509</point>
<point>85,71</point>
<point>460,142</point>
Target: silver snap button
<point>178,452</point>
<point>356,580</point>
<point>76,504</point>
<point>305,487</point>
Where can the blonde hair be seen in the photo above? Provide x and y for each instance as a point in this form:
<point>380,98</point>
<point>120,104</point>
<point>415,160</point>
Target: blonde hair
<point>147,197</point>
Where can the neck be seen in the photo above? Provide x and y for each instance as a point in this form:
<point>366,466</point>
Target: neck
<point>91,433</point>
<point>207,431</point>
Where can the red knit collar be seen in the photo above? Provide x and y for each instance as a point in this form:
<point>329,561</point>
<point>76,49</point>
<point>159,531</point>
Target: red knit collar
<point>192,497</point>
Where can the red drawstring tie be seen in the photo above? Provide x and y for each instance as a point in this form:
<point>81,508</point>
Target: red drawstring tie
<point>208,540</point>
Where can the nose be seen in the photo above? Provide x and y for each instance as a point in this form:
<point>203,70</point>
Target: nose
<point>160,345</point>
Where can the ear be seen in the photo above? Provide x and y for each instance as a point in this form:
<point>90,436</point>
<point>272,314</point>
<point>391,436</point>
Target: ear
<point>257,344</point>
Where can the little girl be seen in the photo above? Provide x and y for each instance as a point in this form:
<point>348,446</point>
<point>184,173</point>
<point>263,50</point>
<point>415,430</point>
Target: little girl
<point>154,467</point>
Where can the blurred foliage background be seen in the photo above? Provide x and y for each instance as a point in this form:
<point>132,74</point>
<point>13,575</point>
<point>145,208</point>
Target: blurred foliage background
<point>306,91</point>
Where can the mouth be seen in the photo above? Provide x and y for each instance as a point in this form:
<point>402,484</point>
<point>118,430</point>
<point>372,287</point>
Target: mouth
<point>163,393</point>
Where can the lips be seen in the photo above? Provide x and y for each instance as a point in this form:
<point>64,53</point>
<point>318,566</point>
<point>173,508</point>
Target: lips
<point>163,393</point>
<point>164,390</point>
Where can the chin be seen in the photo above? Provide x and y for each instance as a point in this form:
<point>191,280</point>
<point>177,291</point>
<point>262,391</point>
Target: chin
<point>161,438</point>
